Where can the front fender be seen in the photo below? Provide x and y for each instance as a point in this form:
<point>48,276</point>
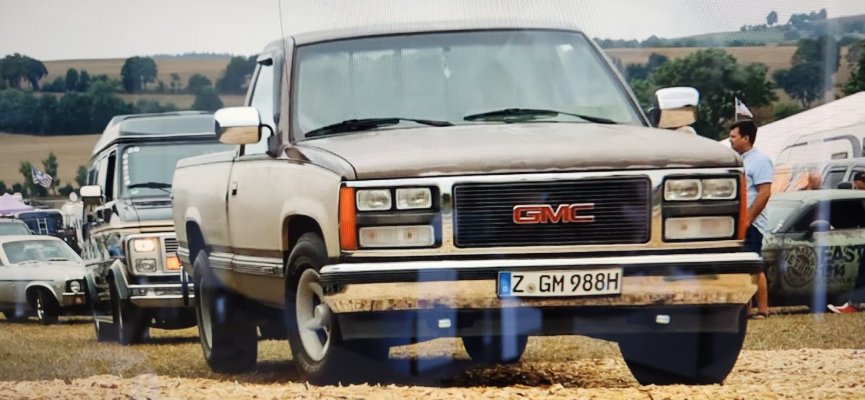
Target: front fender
<point>91,289</point>
<point>45,285</point>
<point>121,281</point>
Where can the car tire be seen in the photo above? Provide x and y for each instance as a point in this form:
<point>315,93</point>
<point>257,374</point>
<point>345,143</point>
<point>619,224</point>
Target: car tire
<point>46,306</point>
<point>130,320</point>
<point>495,349</point>
<point>316,343</point>
<point>227,334</point>
<point>694,358</point>
<point>105,331</point>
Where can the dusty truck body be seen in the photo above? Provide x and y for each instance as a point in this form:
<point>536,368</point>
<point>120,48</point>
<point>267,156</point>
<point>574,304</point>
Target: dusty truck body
<point>483,180</point>
<point>134,276</point>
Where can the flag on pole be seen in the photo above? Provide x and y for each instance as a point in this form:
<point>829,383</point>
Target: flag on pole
<point>741,110</point>
<point>41,178</point>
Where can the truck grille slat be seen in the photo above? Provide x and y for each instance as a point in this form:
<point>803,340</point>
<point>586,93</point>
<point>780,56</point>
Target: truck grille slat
<point>171,245</point>
<point>483,212</point>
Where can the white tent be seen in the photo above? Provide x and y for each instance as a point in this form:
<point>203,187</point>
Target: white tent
<point>841,115</point>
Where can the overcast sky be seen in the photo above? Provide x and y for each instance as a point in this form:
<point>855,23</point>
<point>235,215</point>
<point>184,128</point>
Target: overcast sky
<point>81,29</point>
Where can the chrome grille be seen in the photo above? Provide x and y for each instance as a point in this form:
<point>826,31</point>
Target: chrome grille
<point>484,212</point>
<point>170,244</point>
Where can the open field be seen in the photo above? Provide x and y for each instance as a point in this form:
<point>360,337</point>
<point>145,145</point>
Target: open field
<point>182,101</point>
<point>71,151</point>
<point>796,355</point>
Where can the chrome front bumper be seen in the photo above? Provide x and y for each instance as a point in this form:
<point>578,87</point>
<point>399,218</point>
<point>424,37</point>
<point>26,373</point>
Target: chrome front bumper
<point>658,280</point>
<point>159,295</point>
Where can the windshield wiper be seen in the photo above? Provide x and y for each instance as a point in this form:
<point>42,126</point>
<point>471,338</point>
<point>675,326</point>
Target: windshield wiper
<point>151,185</point>
<point>365,124</point>
<point>58,259</point>
<point>528,114</point>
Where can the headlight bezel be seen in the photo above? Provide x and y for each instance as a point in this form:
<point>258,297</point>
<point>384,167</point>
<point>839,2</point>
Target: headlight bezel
<point>699,185</point>
<point>409,207</point>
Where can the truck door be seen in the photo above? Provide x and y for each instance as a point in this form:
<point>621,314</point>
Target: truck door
<point>253,220</point>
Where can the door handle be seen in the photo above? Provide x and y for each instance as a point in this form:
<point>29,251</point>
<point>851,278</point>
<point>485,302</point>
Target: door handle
<point>234,188</point>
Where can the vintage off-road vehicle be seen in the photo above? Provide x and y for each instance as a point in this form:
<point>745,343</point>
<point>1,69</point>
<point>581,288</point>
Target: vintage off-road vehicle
<point>134,275</point>
<point>484,180</point>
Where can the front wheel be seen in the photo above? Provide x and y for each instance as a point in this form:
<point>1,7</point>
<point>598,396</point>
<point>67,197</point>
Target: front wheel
<point>692,358</point>
<point>228,336</point>
<point>130,321</point>
<point>47,309</point>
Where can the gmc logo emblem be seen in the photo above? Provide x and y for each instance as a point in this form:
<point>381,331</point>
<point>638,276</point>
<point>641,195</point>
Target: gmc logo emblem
<point>545,214</point>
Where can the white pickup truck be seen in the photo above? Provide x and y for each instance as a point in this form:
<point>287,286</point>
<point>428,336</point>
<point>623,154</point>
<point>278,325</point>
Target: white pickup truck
<point>483,180</point>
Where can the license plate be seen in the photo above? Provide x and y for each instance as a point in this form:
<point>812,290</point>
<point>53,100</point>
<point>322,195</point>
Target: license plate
<point>560,283</point>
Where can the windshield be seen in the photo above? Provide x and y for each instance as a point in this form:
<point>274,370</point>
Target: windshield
<point>39,250</point>
<point>778,211</point>
<point>13,229</point>
<point>448,76</point>
<point>148,170</point>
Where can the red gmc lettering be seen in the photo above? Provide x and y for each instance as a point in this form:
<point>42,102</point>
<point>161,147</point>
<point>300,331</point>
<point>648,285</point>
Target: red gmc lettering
<point>545,214</point>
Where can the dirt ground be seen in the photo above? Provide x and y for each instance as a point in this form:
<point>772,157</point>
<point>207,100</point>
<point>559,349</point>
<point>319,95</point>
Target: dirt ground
<point>759,374</point>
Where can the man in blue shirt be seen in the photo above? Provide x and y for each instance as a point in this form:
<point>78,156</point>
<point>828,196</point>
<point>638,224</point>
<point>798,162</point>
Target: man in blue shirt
<point>759,172</point>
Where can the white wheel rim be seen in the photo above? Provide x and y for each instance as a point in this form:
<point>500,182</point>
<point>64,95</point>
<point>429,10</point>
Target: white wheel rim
<point>40,311</point>
<point>204,308</point>
<point>313,316</point>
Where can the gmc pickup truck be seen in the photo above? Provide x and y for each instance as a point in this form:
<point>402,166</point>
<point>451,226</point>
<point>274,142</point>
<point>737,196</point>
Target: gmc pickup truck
<point>484,180</point>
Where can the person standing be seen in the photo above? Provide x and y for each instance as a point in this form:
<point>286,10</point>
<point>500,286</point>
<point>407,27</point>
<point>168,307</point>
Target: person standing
<point>759,172</point>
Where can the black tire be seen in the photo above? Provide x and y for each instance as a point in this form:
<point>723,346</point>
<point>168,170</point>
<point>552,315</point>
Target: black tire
<point>228,335</point>
<point>130,321</point>
<point>105,332</point>
<point>273,330</point>
<point>701,358</point>
<point>46,307</point>
<point>495,349</point>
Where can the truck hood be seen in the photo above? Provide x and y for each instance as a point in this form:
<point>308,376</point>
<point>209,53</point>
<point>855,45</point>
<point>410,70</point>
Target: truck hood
<point>144,209</point>
<point>519,148</point>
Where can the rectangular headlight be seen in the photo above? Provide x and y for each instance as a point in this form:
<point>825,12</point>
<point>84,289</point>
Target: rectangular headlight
<point>699,228</point>
<point>146,245</point>
<point>413,198</point>
<point>373,200</point>
<point>397,236</point>
<point>145,265</point>
<point>719,189</point>
<point>682,189</point>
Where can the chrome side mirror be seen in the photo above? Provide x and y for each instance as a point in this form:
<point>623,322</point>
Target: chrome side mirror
<point>238,125</point>
<point>91,195</point>
<point>675,107</point>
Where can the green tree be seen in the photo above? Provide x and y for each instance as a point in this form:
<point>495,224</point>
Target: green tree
<point>71,80</point>
<point>175,82</point>
<point>856,83</point>
<point>719,78</point>
<point>772,18</point>
<point>784,109</point>
<point>197,82</point>
<point>207,100</point>
<point>137,72</point>
<point>83,81</point>
<point>13,68</point>
<point>237,74</point>
<point>35,71</point>
<point>802,82</point>
<point>81,176</point>
<point>642,71</point>
<point>49,166</point>
<point>3,188</point>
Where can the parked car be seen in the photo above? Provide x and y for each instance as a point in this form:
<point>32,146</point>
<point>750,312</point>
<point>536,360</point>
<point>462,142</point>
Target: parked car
<point>814,252</point>
<point>816,174</point>
<point>134,276</point>
<point>487,180</point>
<point>41,275</point>
<point>10,226</point>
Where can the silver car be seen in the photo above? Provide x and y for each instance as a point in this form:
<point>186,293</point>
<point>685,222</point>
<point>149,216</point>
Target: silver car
<point>41,275</point>
<point>814,251</point>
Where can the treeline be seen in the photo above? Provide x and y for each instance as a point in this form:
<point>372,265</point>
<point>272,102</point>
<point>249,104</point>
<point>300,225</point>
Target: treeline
<point>720,78</point>
<point>80,103</point>
<point>72,113</point>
